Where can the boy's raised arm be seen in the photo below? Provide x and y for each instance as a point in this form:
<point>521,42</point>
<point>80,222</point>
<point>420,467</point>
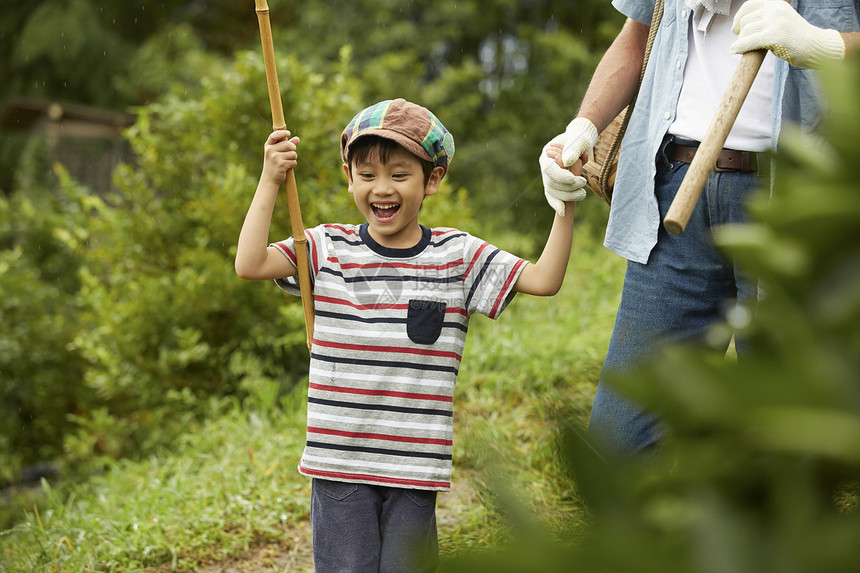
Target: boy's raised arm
<point>255,259</point>
<point>562,190</point>
<point>545,277</point>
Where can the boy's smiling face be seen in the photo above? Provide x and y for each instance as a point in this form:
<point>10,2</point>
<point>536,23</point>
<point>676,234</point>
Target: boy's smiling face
<point>389,195</point>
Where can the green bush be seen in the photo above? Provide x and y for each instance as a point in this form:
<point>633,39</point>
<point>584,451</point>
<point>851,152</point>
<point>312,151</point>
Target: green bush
<point>39,377</point>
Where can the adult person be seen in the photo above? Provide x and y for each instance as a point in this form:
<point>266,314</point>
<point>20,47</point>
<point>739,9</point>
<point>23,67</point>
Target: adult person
<point>677,287</point>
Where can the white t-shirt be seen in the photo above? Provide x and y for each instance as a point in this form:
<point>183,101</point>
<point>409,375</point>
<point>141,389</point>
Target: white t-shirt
<point>706,77</point>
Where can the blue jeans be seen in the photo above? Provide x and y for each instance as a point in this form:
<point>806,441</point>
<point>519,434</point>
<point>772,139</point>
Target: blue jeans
<point>685,289</point>
<point>360,528</point>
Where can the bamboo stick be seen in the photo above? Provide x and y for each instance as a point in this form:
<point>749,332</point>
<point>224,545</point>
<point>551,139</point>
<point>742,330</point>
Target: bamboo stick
<point>278,122</point>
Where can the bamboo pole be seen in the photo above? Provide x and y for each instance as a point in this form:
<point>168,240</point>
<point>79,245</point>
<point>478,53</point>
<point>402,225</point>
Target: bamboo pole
<point>278,122</point>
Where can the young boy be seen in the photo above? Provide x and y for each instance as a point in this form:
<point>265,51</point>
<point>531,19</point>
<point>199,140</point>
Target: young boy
<point>392,306</point>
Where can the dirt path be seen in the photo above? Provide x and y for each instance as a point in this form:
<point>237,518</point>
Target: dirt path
<point>294,553</point>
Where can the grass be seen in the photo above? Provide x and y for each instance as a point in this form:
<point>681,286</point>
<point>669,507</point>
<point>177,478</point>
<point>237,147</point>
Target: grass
<point>231,485</point>
<point>222,489</point>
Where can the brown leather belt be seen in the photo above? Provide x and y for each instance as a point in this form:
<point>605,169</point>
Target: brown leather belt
<point>728,160</point>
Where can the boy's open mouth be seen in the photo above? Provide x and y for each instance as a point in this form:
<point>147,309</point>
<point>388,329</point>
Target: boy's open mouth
<point>384,211</point>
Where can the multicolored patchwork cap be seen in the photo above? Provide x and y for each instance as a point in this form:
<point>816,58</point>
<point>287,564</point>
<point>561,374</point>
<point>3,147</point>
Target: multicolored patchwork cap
<point>412,126</point>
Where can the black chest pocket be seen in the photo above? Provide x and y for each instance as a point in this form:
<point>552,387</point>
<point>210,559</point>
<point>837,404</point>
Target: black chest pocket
<point>424,320</point>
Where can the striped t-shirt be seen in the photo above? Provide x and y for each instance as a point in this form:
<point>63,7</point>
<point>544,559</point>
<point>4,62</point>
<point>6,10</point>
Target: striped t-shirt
<point>389,331</point>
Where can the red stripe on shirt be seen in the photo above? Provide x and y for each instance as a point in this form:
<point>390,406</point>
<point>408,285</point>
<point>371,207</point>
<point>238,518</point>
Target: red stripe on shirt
<point>314,256</point>
<point>475,259</point>
<point>386,437</point>
<point>342,229</point>
<point>282,246</point>
<point>389,393</point>
<point>344,302</point>
<point>505,289</point>
<point>456,310</point>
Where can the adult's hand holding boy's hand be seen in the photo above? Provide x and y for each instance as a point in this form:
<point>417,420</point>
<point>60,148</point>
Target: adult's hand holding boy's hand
<point>580,136</point>
<point>774,25</point>
<point>559,184</point>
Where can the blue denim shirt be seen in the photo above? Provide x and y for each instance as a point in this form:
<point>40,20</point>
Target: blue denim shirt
<point>634,218</point>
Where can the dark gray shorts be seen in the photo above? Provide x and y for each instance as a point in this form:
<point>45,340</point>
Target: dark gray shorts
<point>359,528</point>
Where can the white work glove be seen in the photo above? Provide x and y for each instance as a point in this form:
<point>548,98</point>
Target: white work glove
<point>559,184</point>
<point>774,25</point>
<point>579,137</point>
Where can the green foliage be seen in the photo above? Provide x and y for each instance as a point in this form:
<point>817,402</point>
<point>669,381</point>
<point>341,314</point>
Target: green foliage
<point>173,58</point>
<point>39,306</point>
<point>109,54</point>
<point>75,58</point>
<point>73,50</point>
<point>224,487</point>
<point>760,466</point>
